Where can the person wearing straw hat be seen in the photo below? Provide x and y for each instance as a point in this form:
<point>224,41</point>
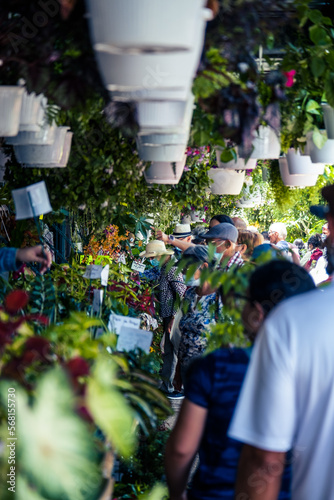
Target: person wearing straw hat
<point>171,291</point>
<point>180,239</point>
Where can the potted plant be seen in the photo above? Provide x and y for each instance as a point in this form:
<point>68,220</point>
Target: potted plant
<point>163,172</point>
<point>295,180</point>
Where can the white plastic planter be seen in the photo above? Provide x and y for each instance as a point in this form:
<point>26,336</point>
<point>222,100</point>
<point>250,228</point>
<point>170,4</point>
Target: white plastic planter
<point>64,157</point>
<point>37,155</point>
<point>161,152</point>
<point>166,115</point>
<point>45,136</point>
<point>239,164</point>
<point>146,25</point>
<point>141,94</point>
<point>226,181</point>
<point>249,200</point>
<point>10,109</point>
<point>163,173</point>
<point>266,145</point>
<point>160,139</point>
<point>295,180</point>
<point>328,113</point>
<point>325,154</point>
<point>302,164</point>
<point>32,112</point>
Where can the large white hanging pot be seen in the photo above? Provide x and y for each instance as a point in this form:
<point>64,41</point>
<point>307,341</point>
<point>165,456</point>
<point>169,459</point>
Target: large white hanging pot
<point>163,172</point>
<point>141,94</point>
<point>295,180</point>
<point>160,139</point>
<point>10,109</point>
<point>266,145</point>
<point>226,181</point>
<point>166,115</point>
<point>64,157</point>
<point>32,112</point>
<point>45,136</point>
<point>34,154</point>
<point>145,25</point>
<point>249,200</point>
<point>325,154</point>
<point>161,152</point>
<point>238,164</point>
<point>328,113</point>
<point>302,164</point>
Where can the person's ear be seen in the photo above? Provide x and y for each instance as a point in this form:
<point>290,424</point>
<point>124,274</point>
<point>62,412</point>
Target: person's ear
<point>242,248</point>
<point>258,315</point>
<point>227,243</point>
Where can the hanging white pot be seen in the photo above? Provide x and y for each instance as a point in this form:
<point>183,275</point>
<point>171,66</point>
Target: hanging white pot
<point>161,152</point>
<point>249,200</point>
<point>328,113</point>
<point>302,164</point>
<point>64,157</point>
<point>32,112</point>
<point>325,154</point>
<point>238,164</point>
<point>295,180</point>
<point>34,154</point>
<point>196,216</point>
<point>159,25</point>
<point>165,115</point>
<point>163,172</point>
<point>160,139</point>
<point>186,219</point>
<point>45,136</point>
<point>266,145</point>
<point>226,181</point>
<point>10,109</point>
<point>141,94</point>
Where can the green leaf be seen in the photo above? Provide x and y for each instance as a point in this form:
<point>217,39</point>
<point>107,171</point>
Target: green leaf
<point>319,139</point>
<point>314,15</point>
<point>317,66</point>
<point>319,35</point>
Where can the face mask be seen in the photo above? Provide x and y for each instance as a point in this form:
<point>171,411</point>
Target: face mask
<point>323,237</point>
<point>193,282</point>
<point>218,256</point>
<point>154,262</point>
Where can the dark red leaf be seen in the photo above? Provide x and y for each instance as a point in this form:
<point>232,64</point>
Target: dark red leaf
<point>15,301</point>
<point>78,367</point>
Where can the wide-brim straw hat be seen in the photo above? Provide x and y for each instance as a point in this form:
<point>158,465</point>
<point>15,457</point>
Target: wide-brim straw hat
<point>182,230</point>
<point>155,248</point>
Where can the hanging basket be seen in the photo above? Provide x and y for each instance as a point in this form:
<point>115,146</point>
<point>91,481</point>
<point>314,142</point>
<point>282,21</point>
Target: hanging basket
<point>163,172</point>
<point>295,180</point>
<point>141,94</point>
<point>32,154</point>
<point>10,109</point>
<point>301,164</point>
<point>161,152</point>
<point>226,181</point>
<point>45,136</point>
<point>238,164</point>
<point>325,154</point>
<point>328,113</point>
<point>130,25</point>
<point>64,157</point>
<point>32,112</point>
<point>266,145</point>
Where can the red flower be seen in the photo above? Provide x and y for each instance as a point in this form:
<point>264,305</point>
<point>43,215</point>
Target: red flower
<point>15,301</point>
<point>289,77</point>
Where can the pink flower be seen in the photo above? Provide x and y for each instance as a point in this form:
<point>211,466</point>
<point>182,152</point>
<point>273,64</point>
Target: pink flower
<point>289,77</point>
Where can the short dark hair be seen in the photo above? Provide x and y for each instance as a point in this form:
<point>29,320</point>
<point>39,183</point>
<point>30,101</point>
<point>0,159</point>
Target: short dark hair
<point>276,281</point>
<point>223,218</point>
<point>316,241</point>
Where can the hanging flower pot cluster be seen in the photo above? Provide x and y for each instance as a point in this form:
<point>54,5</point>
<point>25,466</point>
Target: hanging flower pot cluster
<point>37,143</point>
<point>148,53</point>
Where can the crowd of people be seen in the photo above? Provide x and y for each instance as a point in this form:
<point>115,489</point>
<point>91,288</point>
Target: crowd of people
<point>260,419</point>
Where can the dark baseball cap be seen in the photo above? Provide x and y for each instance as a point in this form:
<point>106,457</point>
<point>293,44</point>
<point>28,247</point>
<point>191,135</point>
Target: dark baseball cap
<point>322,211</point>
<point>197,253</point>
<point>223,231</point>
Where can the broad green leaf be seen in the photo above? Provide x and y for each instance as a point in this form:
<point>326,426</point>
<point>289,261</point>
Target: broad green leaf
<point>319,35</point>
<point>312,105</point>
<point>317,66</point>
<point>319,139</point>
<point>109,408</point>
<point>314,15</point>
<point>55,447</point>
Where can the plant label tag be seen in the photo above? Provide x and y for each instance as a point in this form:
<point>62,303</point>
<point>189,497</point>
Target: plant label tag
<point>99,332</point>
<point>121,259</point>
<point>93,272</point>
<point>105,275</point>
<point>133,338</point>
<point>31,201</point>
<point>97,300</point>
<point>138,267</point>
<point>116,322</point>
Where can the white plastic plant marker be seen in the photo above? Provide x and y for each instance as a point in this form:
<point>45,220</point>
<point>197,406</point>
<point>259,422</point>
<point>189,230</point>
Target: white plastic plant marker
<point>136,266</point>
<point>117,321</point>
<point>133,338</point>
<point>10,109</point>
<point>31,201</point>
<point>105,275</point>
<point>93,272</point>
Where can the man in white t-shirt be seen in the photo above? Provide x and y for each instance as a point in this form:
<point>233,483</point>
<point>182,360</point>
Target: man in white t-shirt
<point>287,399</point>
